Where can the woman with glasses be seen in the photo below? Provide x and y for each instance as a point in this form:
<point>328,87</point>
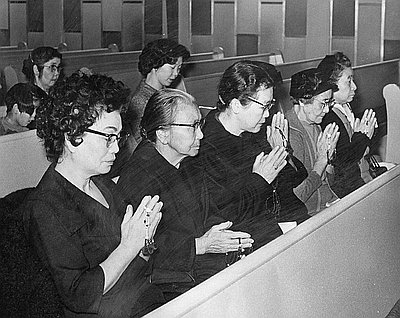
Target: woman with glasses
<point>246,162</point>
<point>43,67</point>
<point>95,248</point>
<point>191,245</point>
<point>311,93</point>
<point>355,133</point>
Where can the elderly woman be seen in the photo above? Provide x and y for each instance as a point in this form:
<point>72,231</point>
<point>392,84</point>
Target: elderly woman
<point>355,134</point>
<point>311,93</point>
<point>95,252</point>
<point>192,245</point>
<point>235,137</point>
<point>43,67</point>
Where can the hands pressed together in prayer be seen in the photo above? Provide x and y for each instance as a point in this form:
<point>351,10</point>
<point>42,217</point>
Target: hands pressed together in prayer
<point>326,147</point>
<point>367,124</point>
<point>278,132</point>
<point>219,239</point>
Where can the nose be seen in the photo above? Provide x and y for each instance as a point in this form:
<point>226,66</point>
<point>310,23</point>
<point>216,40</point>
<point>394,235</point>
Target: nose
<point>265,113</point>
<point>114,148</point>
<point>353,85</point>
<point>199,133</point>
<point>175,72</point>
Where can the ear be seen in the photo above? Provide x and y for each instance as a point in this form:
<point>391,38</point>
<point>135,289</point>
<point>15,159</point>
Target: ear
<point>163,136</point>
<point>236,105</point>
<point>72,144</point>
<point>15,109</point>
<point>36,70</point>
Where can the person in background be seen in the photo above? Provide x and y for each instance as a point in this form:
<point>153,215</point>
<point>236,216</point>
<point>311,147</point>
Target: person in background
<point>245,161</point>
<point>159,64</point>
<point>22,99</point>
<point>311,93</point>
<point>95,249</point>
<point>191,243</point>
<point>355,133</point>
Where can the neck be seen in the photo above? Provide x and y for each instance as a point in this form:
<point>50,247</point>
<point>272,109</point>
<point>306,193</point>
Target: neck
<point>38,83</point>
<point>169,154</point>
<point>230,123</point>
<point>151,79</point>
<point>69,170</point>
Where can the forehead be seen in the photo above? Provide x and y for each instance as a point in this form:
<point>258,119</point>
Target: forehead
<point>324,95</point>
<point>187,111</point>
<point>347,72</point>
<point>108,121</point>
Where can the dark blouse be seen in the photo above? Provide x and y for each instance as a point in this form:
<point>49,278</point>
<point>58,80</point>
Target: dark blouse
<point>184,217</point>
<point>73,234</point>
<point>349,151</point>
<point>228,160</point>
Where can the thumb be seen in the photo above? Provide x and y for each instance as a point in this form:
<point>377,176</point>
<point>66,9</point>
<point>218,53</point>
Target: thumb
<point>268,131</point>
<point>128,214</point>
<point>222,226</point>
<point>258,158</point>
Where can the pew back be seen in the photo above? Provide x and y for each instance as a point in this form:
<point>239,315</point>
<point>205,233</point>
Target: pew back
<point>343,262</point>
<point>22,161</point>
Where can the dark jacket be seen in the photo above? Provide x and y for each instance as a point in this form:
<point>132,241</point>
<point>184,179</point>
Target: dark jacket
<point>350,149</point>
<point>73,234</point>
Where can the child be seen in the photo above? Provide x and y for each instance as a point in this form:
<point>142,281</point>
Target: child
<point>21,101</point>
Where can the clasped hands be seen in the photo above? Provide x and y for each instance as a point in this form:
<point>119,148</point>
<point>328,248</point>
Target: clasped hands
<point>140,226</point>
<point>219,239</point>
<point>367,124</point>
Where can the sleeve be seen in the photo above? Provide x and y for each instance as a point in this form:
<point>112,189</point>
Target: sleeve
<point>313,181</point>
<point>79,285</point>
<point>175,241</point>
<point>238,195</point>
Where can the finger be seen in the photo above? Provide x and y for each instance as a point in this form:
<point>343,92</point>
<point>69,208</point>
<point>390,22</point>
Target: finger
<point>222,226</point>
<point>151,204</point>
<point>259,158</point>
<point>154,224</point>
<point>281,166</point>
<point>286,127</point>
<point>238,234</point>
<point>140,210</point>
<point>128,214</point>
<point>269,131</point>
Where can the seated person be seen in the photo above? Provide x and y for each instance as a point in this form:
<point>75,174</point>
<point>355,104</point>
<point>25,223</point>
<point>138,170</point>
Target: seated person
<point>21,100</point>
<point>191,246</point>
<point>311,93</point>
<point>159,63</point>
<point>93,251</point>
<point>245,161</point>
<point>355,134</point>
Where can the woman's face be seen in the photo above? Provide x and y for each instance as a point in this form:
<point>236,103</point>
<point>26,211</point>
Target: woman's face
<point>92,155</point>
<point>184,141</point>
<point>346,86</point>
<point>252,116</point>
<point>315,111</point>
<point>50,73</point>
<point>167,73</point>
<point>24,119</point>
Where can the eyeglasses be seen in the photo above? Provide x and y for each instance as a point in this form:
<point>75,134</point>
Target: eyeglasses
<point>196,125</point>
<point>53,68</point>
<point>330,102</point>
<point>111,138</point>
<point>266,106</point>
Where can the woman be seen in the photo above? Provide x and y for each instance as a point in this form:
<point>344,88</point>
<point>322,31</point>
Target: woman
<point>43,67</point>
<point>355,134</point>
<point>235,136</point>
<point>159,63</point>
<point>93,250</point>
<point>311,93</point>
<point>192,245</point>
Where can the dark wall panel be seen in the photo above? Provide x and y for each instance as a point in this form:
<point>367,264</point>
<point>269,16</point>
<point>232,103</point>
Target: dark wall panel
<point>296,18</point>
<point>343,18</point>
<point>153,17</point>
<point>72,15</point>
<point>35,15</point>
<point>201,17</point>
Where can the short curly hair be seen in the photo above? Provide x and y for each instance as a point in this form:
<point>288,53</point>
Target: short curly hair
<point>334,65</point>
<point>240,80</point>
<point>75,104</point>
<point>159,52</point>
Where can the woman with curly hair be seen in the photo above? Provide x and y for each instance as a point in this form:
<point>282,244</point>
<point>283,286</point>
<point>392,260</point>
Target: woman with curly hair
<point>95,248</point>
<point>311,93</point>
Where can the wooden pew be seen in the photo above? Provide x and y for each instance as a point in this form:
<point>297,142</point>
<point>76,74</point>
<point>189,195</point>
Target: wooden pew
<point>23,161</point>
<point>343,262</point>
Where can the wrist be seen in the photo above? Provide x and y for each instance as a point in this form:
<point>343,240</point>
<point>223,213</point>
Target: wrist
<point>200,246</point>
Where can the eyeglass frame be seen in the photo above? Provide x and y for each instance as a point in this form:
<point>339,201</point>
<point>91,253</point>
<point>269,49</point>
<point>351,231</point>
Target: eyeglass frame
<point>329,103</point>
<point>54,67</point>
<point>123,135</point>
<point>196,125</point>
<point>266,106</point>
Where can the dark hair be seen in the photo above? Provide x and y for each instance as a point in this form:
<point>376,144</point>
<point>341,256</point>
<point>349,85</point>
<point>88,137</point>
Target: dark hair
<point>334,65</point>
<point>239,80</point>
<point>306,84</point>
<point>159,52</point>
<point>38,57</point>
<point>160,111</point>
<point>22,94</point>
<point>76,103</point>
